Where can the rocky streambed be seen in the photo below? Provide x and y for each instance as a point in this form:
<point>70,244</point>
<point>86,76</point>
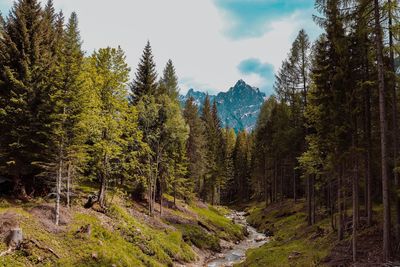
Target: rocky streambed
<point>237,252</point>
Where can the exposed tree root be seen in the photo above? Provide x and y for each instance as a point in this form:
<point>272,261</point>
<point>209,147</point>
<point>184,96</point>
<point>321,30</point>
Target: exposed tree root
<point>6,252</point>
<point>39,246</point>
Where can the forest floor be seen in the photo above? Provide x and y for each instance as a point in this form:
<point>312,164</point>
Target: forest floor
<point>295,244</point>
<point>185,235</point>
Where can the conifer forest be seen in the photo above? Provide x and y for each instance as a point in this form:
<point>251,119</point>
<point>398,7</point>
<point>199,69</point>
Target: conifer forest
<point>104,163</point>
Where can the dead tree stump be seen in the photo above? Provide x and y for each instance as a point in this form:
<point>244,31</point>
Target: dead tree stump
<point>14,238</point>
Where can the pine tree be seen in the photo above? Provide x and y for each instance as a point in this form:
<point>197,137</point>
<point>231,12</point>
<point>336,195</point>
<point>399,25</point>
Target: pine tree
<point>150,126</point>
<point>108,83</point>
<point>229,138</point>
<point>383,131</point>
<point>174,134</point>
<point>145,77</point>
<point>73,105</point>
<point>169,82</point>
<point>196,145</point>
<point>210,175</point>
<point>25,56</point>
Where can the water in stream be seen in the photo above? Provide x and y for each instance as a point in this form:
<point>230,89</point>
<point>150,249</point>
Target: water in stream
<point>238,251</point>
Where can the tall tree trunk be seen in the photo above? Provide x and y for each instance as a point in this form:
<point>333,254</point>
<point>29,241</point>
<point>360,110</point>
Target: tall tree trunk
<point>153,199</point>
<point>355,206</point>
<point>331,206</point>
<point>102,191</point>
<point>309,203</point>
<point>19,188</point>
<point>281,182</point>
<point>294,185</point>
<point>368,174</point>
<point>58,192</point>
<point>340,206</point>
<point>354,221</point>
<point>161,197</point>
<point>275,181</point>
<point>175,195</point>
<point>103,182</point>
<point>149,192</point>
<point>265,182</point>
<point>68,184</point>
<point>383,128</point>
<point>313,200</point>
<point>395,130</point>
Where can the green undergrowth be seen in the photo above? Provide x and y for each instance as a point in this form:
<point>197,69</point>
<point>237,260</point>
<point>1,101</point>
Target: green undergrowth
<point>294,243</point>
<point>214,218</point>
<point>197,236</point>
<point>119,237</point>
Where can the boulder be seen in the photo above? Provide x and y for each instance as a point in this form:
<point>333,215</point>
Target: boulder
<point>268,233</point>
<point>260,238</point>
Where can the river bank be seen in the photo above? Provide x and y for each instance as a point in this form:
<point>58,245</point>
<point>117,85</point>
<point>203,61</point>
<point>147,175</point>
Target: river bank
<point>237,252</point>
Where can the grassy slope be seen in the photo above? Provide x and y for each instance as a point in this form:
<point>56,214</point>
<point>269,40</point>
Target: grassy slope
<point>316,245</point>
<point>121,237</point>
<point>294,243</point>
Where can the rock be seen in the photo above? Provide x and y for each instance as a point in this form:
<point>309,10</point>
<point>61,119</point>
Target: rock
<point>220,256</point>
<point>260,238</point>
<point>246,231</point>
<point>225,244</point>
<point>268,233</point>
<point>294,255</point>
<point>94,255</point>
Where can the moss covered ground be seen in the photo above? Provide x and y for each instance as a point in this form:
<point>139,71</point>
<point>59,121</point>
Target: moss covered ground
<point>123,236</point>
<point>293,242</point>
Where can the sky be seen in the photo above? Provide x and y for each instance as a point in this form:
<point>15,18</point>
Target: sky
<point>213,43</point>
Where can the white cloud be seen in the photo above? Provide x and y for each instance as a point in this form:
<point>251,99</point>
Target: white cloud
<point>190,32</point>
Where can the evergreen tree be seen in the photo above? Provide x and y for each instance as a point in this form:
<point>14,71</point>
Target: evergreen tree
<point>241,166</point>
<point>383,132</point>
<point>169,82</point>
<point>108,83</point>
<point>196,145</point>
<point>25,54</point>
<point>229,138</point>
<point>145,77</point>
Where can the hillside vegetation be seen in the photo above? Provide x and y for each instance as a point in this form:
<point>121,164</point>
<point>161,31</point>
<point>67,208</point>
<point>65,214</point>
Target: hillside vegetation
<point>293,243</point>
<point>122,236</point>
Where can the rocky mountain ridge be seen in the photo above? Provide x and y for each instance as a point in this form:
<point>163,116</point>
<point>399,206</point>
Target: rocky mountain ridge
<point>238,108</point>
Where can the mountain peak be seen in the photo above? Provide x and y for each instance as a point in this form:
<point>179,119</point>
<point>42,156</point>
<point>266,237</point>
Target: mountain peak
<point>237,108</point>
<point>242,88</point>
<point>240,83</point>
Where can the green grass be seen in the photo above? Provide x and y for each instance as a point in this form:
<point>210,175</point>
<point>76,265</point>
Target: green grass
<point>291,235</point>
<point>199,237</point>
<point>214,218</point>
<point>118,237</point>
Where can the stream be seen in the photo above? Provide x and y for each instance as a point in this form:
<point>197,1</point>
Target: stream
<point>238,252</point>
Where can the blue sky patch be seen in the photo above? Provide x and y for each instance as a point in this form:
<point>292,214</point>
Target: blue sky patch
<point>255,66</point>
<point>250,17</point>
